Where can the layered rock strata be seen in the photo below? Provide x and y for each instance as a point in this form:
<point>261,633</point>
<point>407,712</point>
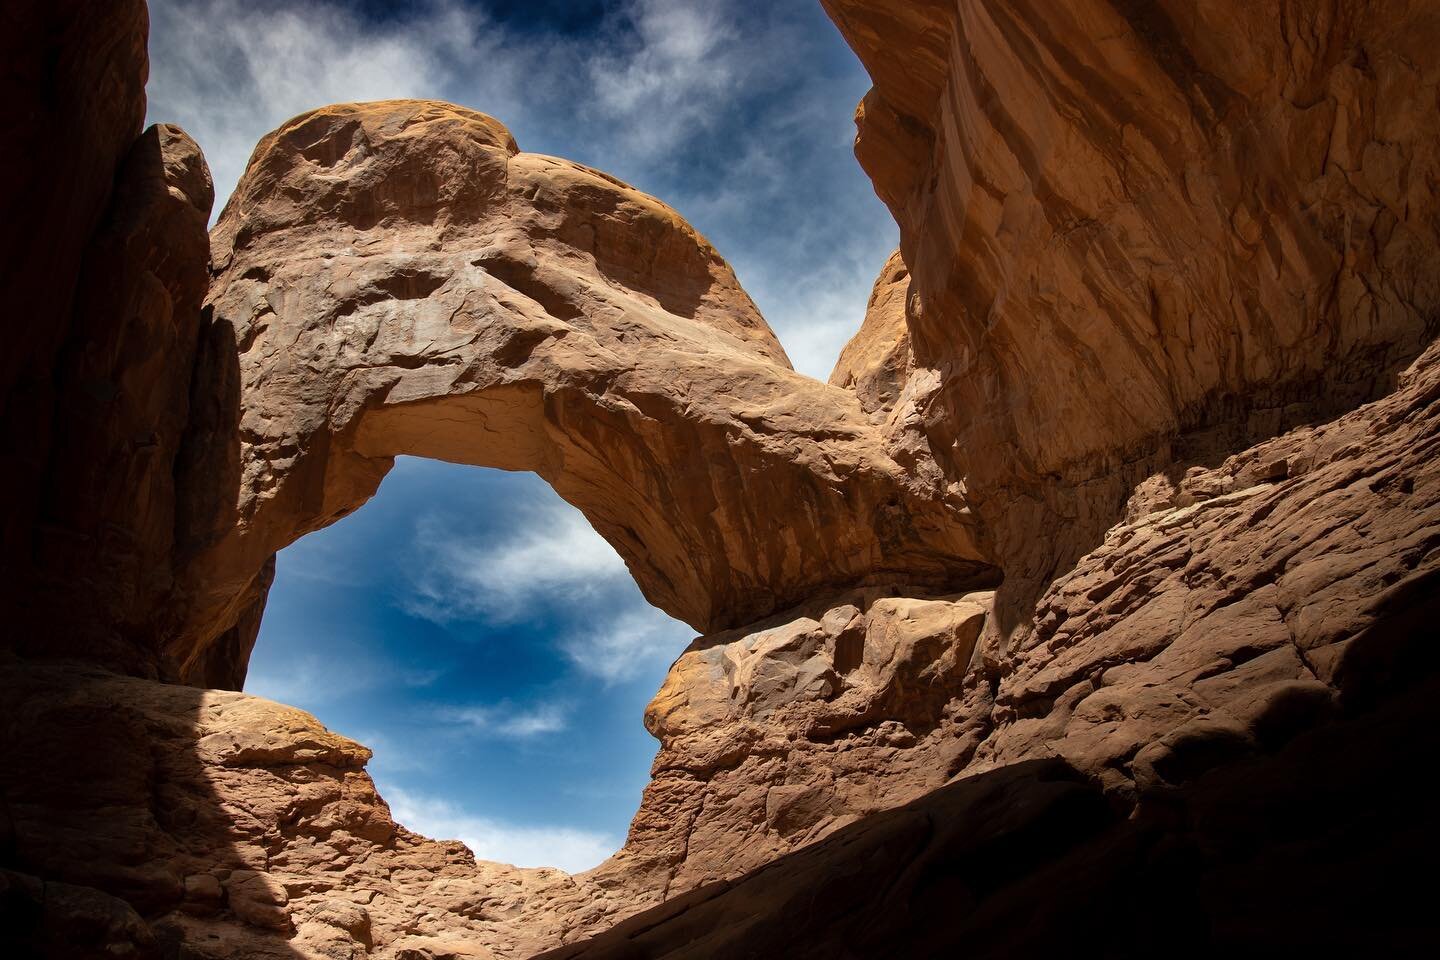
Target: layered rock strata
<point>106,265</point>
<point>79,80</point>
<point>1218,627</point>
<point>1201,732</point>
<point>227,826</point>
<point>1144,234</point>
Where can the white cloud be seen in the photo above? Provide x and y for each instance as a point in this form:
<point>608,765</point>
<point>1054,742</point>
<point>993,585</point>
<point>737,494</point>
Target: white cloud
<point>621,646</point>
<point>549,561</point>
<point>550,552</point>
<point>509,721</point>
<point>312,680</point>
<point>569,848</point>
<point>231,71</point>
<point>666,84</point>
<point>307,680</point>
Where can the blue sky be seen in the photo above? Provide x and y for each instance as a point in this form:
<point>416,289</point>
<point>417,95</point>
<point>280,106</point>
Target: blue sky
<point>466,623</point>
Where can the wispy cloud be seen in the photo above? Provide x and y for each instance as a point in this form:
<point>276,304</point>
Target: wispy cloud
<point>727,110</point>
<point>310,680</point>
<point>571,849</point>
<point>509,720</point>
<point>682,58</point>
<point>620,646</point>
<point>547,552</point>
<point>546,563</point>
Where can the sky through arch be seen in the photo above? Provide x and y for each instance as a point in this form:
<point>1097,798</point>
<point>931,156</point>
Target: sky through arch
<point>466,623</point>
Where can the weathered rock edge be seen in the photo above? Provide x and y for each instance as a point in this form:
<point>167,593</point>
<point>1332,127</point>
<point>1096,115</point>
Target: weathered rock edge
<point>398,278</point>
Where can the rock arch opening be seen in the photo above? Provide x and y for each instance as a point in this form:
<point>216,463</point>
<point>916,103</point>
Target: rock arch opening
<point>429,290</point>
<point>492,651</point>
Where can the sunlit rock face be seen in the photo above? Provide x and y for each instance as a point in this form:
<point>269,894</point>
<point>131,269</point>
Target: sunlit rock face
<point>877,361</point>
<point>1202,710</point>
<point>1141,233</point>
<point>398,278</point>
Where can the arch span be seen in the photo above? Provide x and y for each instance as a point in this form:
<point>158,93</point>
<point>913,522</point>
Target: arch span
<point>398,278</point>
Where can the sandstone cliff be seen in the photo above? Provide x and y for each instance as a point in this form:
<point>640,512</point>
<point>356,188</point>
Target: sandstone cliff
<point>1099,606</point>
<point>1146,233</point>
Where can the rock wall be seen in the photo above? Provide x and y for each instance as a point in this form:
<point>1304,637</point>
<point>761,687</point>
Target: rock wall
<point>1202,734</point>
<point>106,262</point>
<point>80,80</point>
<point>226,826</point>
<point>1146,233</point>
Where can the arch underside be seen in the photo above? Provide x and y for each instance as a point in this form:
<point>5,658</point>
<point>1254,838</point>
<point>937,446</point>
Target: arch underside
<point>518,323</point>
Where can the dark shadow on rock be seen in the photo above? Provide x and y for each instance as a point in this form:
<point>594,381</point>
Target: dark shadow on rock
<point>1304,846</point>
<point>113,823</point>
<point>1046,529</point>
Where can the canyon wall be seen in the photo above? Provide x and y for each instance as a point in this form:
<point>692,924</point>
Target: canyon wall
<point>106,263</point>
<point>1091,596</point>
<point>1145,234</point>
<point>1155,253</point>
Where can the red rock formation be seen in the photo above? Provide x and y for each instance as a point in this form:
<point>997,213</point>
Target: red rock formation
<point>1240,669</point>
<point>107,266</point>
<point>106,538</point>
<point>80,83</point>
<point>1155,260</point>
<point>398,278</point>
<point>241,828</point>
<point>877,361</point>
<point>1146,233</point>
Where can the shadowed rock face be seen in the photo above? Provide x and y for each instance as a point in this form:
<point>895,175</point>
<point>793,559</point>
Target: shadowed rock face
<point>397,278</point>
<point>78,107</point>
<point>1147,232</point>
<point>1202,732</point>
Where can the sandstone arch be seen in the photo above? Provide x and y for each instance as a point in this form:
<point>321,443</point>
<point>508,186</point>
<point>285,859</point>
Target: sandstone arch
<point>397,278</point>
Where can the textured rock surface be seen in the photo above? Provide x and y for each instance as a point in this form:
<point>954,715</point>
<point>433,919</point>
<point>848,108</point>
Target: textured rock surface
<point>1027,859</point>
<point>106,264</point>
<point>1240,668</point>
<point>399,278</point>
<point>239,827</point>
<point>105,544</point>
<point>1143,233</point>
<point>1152,254</point>
<point>877,361</point>
<point>775,735</point>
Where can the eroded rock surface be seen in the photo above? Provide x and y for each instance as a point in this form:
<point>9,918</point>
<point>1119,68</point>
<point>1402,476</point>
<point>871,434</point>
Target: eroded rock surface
<point>399,278</point>
<point>1200,729</point>
<point>106,263</point>
<point>877,361</point>
<point>77,76</point>
<point>1146,233</point>
<point>241,828</point>
<point>775,735</point>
